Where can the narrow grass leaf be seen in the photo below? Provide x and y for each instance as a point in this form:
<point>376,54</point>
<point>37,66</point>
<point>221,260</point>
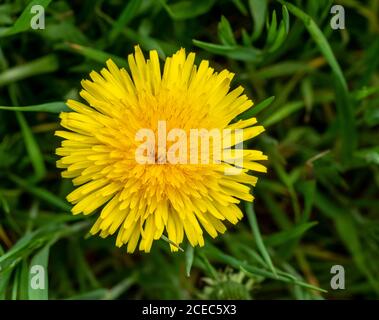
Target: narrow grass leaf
<point>241,7</point>
<point>308,188</point>
<point>220,256</point>
<point>39,66</point>
<point>38,275</point>
<point>290,234</point>
<point>42,194</point>
<point>258,9</point>
<point>120,288</point>
<point>15,285</point>
<point>4,279</point>
<point>257,235</point>
<point>255,109</point>
<point>93,54</point>
<point>225,32</point>
<point>272,29</point>
<point>233,52</point>
<point>125,17</point>
<point>32,148</point>
<point>24,280</point>
<point>96,294</point>
<point>344,105</point>
<point>280,38</point>
<point>30,242</point>
<point>283,112</point>
<point>286,18</point>
<point>51,107</point>
<point>185,9</point>
<point>23,22</point>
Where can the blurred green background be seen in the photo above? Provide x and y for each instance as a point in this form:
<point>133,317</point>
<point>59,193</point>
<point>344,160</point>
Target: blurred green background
<point>317,206</point>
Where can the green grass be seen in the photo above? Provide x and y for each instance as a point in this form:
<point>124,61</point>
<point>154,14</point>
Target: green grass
<point>315,89</point>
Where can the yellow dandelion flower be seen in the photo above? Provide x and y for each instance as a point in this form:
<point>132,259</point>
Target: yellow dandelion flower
<point>142,201</point>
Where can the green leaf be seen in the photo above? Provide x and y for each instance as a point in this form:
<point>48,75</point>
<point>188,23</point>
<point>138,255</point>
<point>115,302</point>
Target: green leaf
<point>272,29</point>
<point>233,52</point>
<point>187,9</point>
<point>344,106</point>
<point>96,294</point>
<point>255,257</point>
<point>42,194</point>
<point>290,234</point>
<point>283,112</point>
<point>4,279</point>
<point>347,229</point>
<point>207,265</point>
<point>250,270</point>
<point>125,17</point>
<point>64,31</point>
<point>40,260</point>
<point>15,285</point>
<point>32,147</point>
<point>120,288</point>
<point>365,92</point>
<point>371,116</point>
<point>246,40</point>
<point>225,32</point>
<point>308,188</point>
<point>52,107</point>
<point>42,65</point>
<point>280,37</point>
<point>24,246</point>
<point>282,69</point>
<point>241,7</point>
<point>286,18</point>
<point>370,61</point>
<point>83,269</point>
<point>24,280</point>
<point>255,109</point>
<point>257,236</point>
<point>23,22</point>
<point>258,10</point>
<point>369,155</point>
<point>34,240</point>
<point>93,54</point>
<point>146,42</point>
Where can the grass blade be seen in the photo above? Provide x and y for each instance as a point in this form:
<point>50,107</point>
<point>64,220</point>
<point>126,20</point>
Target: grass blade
<point>23,22</point>
<point>51,107</point>
<point>254,110</point>
<point>283,113</point>
<point>294,233</point>
<point>40,261</point>
<point>42,194</point>
<point>93,54</point>
<point>258,9</point>
<point>125,17</point>
<point>187,9</point>
<point>42,65</point>
<point>225,32</point>
<point>233,52</point>
<point>344,106</point>
<point>257,236</point>
<point>32,147</point>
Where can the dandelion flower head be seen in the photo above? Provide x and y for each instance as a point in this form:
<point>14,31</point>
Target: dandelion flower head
<point>143,202</point>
